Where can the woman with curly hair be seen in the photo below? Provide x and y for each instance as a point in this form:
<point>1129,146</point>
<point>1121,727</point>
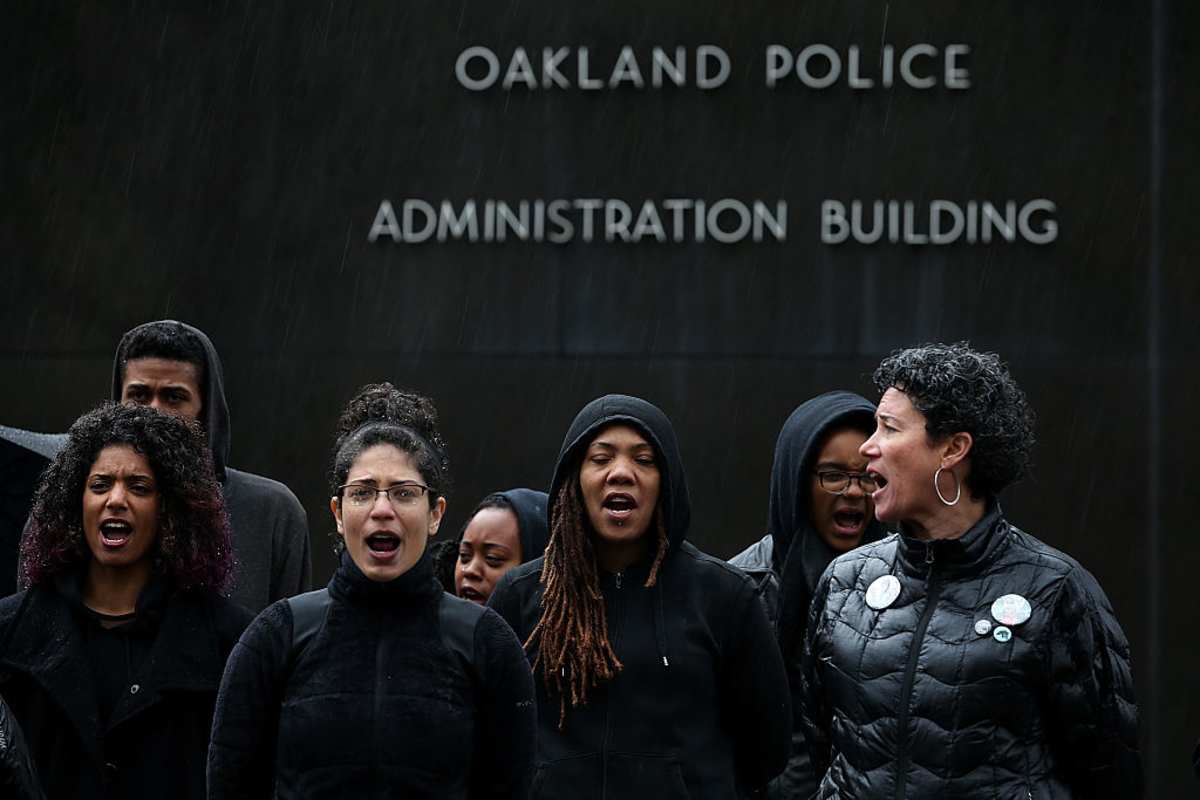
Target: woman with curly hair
<point>657,671</point>
<point>381,684</point>
<point>962,657</point>
<point>111,657</point>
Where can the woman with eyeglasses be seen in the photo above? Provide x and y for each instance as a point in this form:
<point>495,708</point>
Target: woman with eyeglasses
<point>657,674</point>
<point>819,507</point>
<point>111,658</point>
<point>381,684</point>
<point>962,657</point>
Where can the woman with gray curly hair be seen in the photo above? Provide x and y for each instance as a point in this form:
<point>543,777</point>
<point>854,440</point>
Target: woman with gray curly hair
<point>962,657</point>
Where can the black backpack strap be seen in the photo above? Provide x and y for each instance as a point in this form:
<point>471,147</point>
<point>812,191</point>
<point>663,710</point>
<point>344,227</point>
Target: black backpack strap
<point>308,615</point>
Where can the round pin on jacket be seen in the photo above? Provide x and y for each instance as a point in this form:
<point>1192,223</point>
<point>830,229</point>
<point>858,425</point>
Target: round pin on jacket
<point>1001,634</point>
<point>883,591</point>
<point>983,627</point>
<point>1011,609</point>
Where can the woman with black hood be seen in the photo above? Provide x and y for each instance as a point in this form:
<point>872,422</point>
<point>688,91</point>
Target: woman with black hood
<point>820,507</point>
<point>657,673</point>
<point>381,684</point>
<point>962,658</point>
<point>505,530</point>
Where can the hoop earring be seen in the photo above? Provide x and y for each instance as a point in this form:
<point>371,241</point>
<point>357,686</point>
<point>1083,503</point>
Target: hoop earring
<point>938,489</point>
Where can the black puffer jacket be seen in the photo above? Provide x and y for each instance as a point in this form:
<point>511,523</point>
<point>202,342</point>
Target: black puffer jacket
<point>701,707</point>
<point>154,741</point>
<point>789,560</point>
<point>931,696</point>
<point>401,691</point>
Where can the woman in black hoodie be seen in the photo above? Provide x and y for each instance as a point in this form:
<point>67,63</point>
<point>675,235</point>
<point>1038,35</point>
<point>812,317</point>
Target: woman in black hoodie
<point>819,508</point>
<point>380,685</point>
<point>657,672</point>
<point>110,660</point>
<point>505,530</point>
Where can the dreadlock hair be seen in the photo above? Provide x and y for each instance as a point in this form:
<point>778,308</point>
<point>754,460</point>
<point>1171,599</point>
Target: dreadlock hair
<point>574,653</point>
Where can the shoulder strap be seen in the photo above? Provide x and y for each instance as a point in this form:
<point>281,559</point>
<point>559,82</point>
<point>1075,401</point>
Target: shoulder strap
<point>308,615</point>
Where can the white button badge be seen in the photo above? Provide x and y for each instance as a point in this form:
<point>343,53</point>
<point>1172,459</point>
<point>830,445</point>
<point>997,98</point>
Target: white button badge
<point>1011,609</point>
<point>883,591</point>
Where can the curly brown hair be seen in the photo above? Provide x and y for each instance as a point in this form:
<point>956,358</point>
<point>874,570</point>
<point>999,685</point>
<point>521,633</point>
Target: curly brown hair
<point>193,546</point>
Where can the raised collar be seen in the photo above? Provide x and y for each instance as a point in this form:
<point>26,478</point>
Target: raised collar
<point>351,586</point>
<point>964,555</point>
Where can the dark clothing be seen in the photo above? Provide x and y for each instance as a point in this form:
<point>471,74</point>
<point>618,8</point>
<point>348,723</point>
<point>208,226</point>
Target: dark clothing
<point>154,740</point>
<point>699,708</point>
<point>401,691</point>
<point>23,456</point>
<point>268,524</point>
<point>18,778</point>
<point>931,696</point>
<point>787,562</point>
<point>529,507</point>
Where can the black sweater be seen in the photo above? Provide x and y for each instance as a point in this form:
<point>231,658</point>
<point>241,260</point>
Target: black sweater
<point>402,691</point>
<point>700,708</point>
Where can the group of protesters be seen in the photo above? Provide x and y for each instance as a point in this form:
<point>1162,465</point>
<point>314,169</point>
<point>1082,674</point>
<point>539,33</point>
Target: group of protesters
<point>891,635</point>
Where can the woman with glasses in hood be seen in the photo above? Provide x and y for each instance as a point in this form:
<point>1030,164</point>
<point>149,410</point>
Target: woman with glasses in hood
<point>111,658</point>
<point>656,670</point>
<point>962,657</point>
<point>381,684</point>
<point>505,530</point>
<point>820,507</point>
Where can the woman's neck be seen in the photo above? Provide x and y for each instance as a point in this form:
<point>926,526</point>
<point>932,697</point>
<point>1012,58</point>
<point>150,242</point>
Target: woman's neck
<point>617,556</point>
<point>114,591</point>
<point>948,522</point>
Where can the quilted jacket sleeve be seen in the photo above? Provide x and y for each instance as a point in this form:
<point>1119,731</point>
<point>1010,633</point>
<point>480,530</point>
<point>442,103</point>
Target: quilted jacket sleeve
<point>1092,715</point>
<point>813,714</point>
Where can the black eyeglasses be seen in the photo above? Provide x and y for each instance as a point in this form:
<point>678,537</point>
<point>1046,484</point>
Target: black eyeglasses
<point>400,494</point>
<point>837,481</point>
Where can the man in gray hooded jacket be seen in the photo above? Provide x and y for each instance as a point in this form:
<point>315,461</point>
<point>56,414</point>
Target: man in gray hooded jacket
<point>174,367</point>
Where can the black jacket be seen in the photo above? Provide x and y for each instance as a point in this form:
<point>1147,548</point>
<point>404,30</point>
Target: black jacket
<point>18,777</point>
<point>931,696</point>
<point>789,560</point>
<point>700,708</point>
<point>154,742</point>
<point>401,691</point>
<point>268,524</point>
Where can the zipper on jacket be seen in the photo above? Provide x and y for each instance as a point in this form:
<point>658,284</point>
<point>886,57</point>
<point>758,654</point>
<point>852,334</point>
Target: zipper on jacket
<point>910,673</point>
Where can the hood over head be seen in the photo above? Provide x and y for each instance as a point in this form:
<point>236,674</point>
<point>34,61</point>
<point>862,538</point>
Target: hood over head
<point>654,425</point>
<point>533,529</point>
<point>800,554</point>
<point>214,415</point>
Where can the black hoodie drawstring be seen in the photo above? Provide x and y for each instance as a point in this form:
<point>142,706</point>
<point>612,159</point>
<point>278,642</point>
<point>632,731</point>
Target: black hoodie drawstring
<point>660,625</point>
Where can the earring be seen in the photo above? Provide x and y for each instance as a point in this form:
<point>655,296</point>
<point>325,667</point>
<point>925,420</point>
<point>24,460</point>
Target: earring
<point>938,489</point>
